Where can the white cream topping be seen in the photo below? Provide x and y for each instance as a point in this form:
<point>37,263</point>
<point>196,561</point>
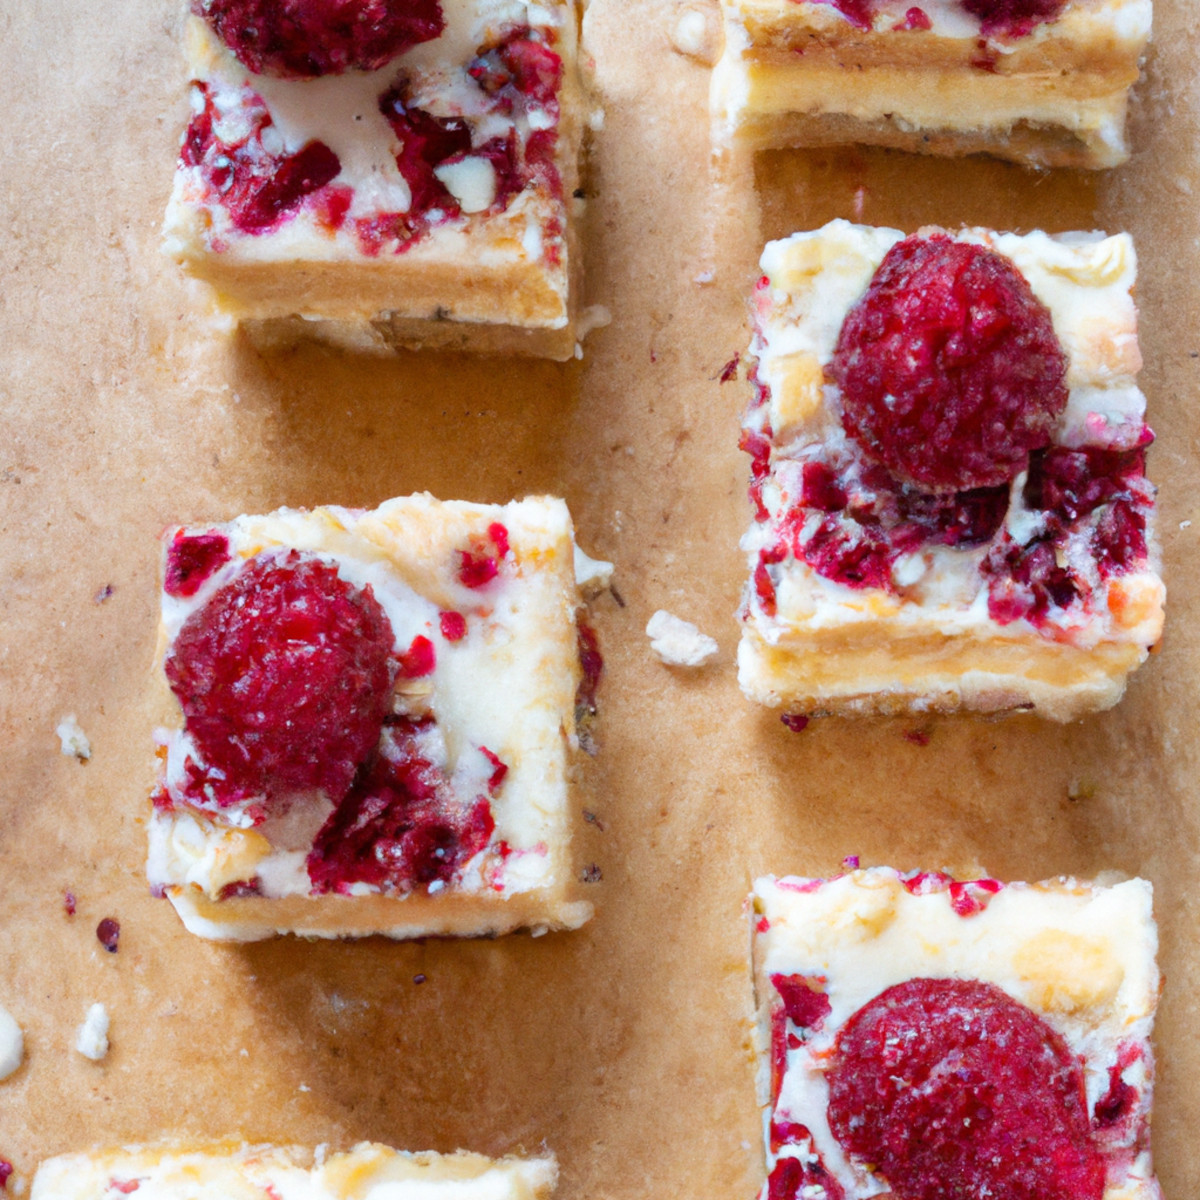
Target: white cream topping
<point>12,1044</point>
<point>72,740</point>
<point>92,1039</point>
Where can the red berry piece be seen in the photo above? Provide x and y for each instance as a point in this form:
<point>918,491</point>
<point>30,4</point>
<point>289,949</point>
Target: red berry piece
<point>806,1006</point>
<point>191,560</point>
<point>481,564</point>
<point>805,1176</point>
<point>952,1090</point>
<point>426,142</point>
<point>419,659</point>
<point>401,826</point>
<point>949,367</point>
<point>284,677</point>
<point>591,665</point>
<point>108,934</point>
<point>1013,18</point>
<point>860,13</point>
<point>303,39</point>
<point>453,626</point>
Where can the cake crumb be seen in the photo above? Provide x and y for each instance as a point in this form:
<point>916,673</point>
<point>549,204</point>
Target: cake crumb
<point>92,1039</point>
<point>694,33</point>
<point>592,575</point>
<point>12,1044</point>
<point>678,643</point>
<point>74,741</point>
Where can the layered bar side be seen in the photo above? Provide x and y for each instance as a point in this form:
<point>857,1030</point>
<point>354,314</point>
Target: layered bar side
<point>376,713</point>
<point>948,445</point>
<point>427,201</point>
<point>237,1171</point>
<point>928,1037</point>
<point>942,77</point>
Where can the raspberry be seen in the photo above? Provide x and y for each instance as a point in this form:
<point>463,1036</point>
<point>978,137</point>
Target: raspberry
<point>1013,18</point>
<point>949,367</point>
<point>284,677</point>
<point>302,39</point>
<point>952,1090</point>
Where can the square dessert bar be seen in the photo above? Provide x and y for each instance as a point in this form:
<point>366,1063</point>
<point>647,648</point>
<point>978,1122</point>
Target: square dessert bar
<point>404,180</point>
<point>1037,81</point>
<point>931,1037</point>
<point>375,715</point>
<point>948,447</point>
<point>236,1171</point>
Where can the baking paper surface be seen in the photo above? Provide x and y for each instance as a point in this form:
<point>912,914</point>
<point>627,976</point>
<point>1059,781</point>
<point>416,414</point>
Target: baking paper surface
<point>623,1047</point>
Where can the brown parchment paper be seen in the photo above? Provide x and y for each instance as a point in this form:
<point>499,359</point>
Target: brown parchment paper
<point>622,1047</point>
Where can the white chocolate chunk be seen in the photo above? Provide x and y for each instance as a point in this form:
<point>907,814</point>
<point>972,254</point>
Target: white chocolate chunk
<point>92,1039</point>
<point>677,642</point>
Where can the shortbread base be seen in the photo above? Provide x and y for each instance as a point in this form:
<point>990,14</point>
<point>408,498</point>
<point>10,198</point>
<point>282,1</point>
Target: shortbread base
<point>831,675</point>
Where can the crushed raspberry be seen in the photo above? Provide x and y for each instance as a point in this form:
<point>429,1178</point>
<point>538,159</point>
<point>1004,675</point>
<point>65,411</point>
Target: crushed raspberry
<point>729,370</point>
<point>6,1172</point>
<point>820,489</point>
<point>1028,581</point>
<point>419,659</point>
<point>949,1079</point>
<point>1069,484</point>
<point>591,664</point>
<point>426,142</point>
<point>914,18</point>
<point>499,770</point>
<point>125,1186</point>
<point>108,934</point>
<point>69,903</point>
<point>303,39</point>
<point>758,446</point>
<point>1119,1102</point>
<point>259,189</point>
<point>1013,18</point>
<point>240,889</point>
<point>851,554</point>
<point>949,367</point>
<point>401,826</point>
<point>803,1001</point>
<point>284,677</point>
<point>192,559</point>
<point>968,898</point>
<point>792,1178</point>
<point>518,70</point>
<point>453,626</point>
<point>796,722</point>
<point>481,564</point>
<point>1119,542</point>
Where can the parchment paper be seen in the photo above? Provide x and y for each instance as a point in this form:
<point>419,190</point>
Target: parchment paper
<point>624,1046</point>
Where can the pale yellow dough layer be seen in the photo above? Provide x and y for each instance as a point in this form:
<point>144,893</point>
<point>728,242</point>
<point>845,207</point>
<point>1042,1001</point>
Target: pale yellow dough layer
<point>509,684</point>
<point>480,282</point>
<point>930,645</point>
<point>799,74</point>
<point>236,1171</point>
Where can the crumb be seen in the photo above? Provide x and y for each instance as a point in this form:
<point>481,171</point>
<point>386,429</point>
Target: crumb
<point>103,594</point>
<point>694,33</point>
<point>918,737</point>
<point>591,818</point>
<point>730,369</point>
<point>92,1039</point>
<point>595,316</point>
<point>74,741</point>
<point>592,575</point>
<point>12,1045</point>
<point>796,722</point>
<point>6,1170</point>
<point>108,934</point>
<point>591,874</point>
<point>69,903</point>
<point>677,642</point>
<point>850,862</point>
<point>418,978</point>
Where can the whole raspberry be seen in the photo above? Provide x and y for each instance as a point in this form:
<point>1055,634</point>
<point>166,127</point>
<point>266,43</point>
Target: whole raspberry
<point>949,367</point>
<point>1013,18</point>
<point>303,39</point>
<point>284,677</point>
<point>952,1090</point>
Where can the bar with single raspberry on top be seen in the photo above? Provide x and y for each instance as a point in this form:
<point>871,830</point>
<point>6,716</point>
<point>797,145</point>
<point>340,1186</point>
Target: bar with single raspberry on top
<point>1044,82</point>
<point>400,173</point>
<point>221,1170</point>
<point>933,1037</point>
<point>948,475</point>
<point>372,719</point>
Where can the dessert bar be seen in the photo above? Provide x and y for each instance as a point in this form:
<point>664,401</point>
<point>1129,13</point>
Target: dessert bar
<point>229,1170</point>
<point>403,179</point>
<point>948,445</point>
<point>375,714</point>
<point>933,1037</point>
<point>1037,81</point>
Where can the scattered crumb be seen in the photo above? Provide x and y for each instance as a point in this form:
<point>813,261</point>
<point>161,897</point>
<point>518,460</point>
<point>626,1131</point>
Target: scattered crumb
<point>591,818</point>
<point>704,277</point>
<point>695,33</point>
<point>730,369</point>
<point>108,934</point>
<point>92,1039</point>
<point>12,1044</point>
<point>419,978</point>
<point>918,737</point>
<point>595,120</point>
<point>592,575</point>
<point>578,350</point>
<point>796,722</point>
<point>1185,524</point>
<point>304,1088</point>
<point>69,903</point>
<point>850,862</point>
<point>74,741</point>
<point>103,594</point>
<point>591,874</point>
<point>677,642</point>
<point>6,1170</point>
